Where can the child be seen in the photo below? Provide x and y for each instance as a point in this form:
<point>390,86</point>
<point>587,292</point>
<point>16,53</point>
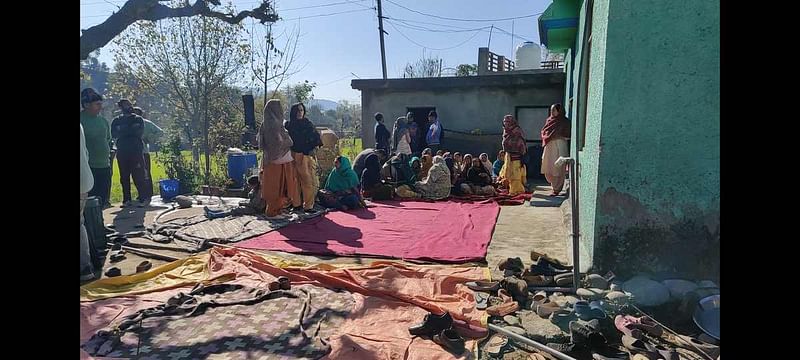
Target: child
<point>254,205</point>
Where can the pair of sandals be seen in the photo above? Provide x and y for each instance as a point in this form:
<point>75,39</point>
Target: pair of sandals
<point>142,267</point>
<point>282,283</point>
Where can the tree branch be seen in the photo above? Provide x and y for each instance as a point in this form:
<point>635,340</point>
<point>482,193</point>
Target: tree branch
<point>98,36</point>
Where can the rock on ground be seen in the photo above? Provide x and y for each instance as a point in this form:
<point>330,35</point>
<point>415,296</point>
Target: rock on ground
<point>541,330</point>
<point>646,292</point>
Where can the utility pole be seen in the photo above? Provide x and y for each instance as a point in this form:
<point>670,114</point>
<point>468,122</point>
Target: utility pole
<point>381,32</point>
<point>266,62</point>
<point>489,45</point>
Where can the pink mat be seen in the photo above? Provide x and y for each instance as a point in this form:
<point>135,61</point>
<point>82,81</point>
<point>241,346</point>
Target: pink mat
<point>444,231</point>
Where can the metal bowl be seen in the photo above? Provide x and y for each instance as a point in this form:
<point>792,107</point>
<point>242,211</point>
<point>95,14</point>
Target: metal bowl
<point>706,315</point>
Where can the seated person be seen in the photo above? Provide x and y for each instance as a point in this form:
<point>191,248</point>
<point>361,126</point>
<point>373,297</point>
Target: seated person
<point>498,164</point>
<point>358,162</point>
<point>478,181</point>
<point>371,184</point>
<point>427,163</point>
<point>254,205</point>
<point>416,168</point>
<point>440,153</point>
<point>397,171</point>
<point>436,185</point>
<point>341,189</point>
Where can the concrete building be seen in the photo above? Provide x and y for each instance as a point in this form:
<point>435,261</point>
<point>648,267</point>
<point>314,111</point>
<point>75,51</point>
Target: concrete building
<point>471,108</point>
<point>643,89</point>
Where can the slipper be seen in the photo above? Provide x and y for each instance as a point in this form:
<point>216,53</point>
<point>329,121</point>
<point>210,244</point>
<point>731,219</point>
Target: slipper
<point>545,308</point>
<point>495,344</point>
<point>507,306</point>
<point>587,311</point>
<point>513,265</point>
<point>638,347</point>
<point>284,282</point>
<point>116,247</point>
<point>540,296</point>
<point>144,266</point>
<point>536,280</point>
<point>517,287</point>
<point>643,323</point>
<point>485,286</point>
<point>564,279</point>
<point>623,323</point>
<point>113,272</point>
<point>116,256</point>
<point>274,286</point>
<point>482,300</point>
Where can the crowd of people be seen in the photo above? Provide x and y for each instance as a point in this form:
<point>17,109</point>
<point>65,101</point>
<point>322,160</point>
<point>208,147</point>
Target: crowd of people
<point>127,138</point>
<point>287,181</point>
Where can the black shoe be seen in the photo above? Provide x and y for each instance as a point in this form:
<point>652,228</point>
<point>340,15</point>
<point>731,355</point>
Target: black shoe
<point>547,269</point>
<point>113,272</point>
<point>586,333</point>
<point>450,340</point>
<point>432,324</point>
<point>310,211</point>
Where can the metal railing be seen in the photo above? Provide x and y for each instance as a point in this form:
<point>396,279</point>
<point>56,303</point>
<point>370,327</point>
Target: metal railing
<point>489,62</point>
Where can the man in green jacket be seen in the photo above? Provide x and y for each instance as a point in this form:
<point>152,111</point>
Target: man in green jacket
<point>98,144</point>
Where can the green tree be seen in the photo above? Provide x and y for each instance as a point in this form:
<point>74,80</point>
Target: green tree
<point>190,63</point>
<point>467,70</point>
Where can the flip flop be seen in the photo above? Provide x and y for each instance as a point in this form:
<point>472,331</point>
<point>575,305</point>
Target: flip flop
<point>116,247</point>
<point>113,272</point>
<point>482,300</point>
<point>284,283</point>
<point>485,286</point>
<point>507,306</point>
<point>116,256</point>
<point>496,344</point>
<point>144,266</point>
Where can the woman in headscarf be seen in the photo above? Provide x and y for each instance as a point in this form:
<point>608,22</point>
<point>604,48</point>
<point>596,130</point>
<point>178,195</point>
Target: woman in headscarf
<point>555,133</point>
<point>512,175</point>
<point>371,185</point>
<point>466,163</point>
<point>341,188</point>
<point>479,180</point>
<point>498,163</point>
<point>437,183</point>
<point>401,137</point>
<point>397,170</point>
<point>484,158</point>
<point>427,163</point>
<point>416,168</point>
<point>279,176</point>
<point>305,138</point>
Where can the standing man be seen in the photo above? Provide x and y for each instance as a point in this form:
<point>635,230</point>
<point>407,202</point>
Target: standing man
<point>127,131</point>
<point>382,134</point>
<point>434,136</point>
<point>98,144</point>
<point>87,182</point>
<point>151,134</point>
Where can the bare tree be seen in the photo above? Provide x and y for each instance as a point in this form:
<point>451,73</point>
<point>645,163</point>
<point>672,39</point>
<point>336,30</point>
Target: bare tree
<point>424,67</point>
<point>132,11</point>
<point>271,64</point>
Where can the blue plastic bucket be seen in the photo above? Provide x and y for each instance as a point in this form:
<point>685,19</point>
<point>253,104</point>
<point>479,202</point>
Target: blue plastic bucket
<point>239,166</point>
<point>169,188</point>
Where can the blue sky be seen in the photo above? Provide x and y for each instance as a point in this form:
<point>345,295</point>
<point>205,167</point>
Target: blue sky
<point>332,47</point>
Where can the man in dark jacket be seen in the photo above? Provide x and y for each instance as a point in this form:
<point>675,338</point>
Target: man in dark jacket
<point>127,131</point>
<point>382,134</point>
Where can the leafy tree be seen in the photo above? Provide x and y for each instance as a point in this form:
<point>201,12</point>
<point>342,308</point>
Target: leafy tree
<point>467,70</point>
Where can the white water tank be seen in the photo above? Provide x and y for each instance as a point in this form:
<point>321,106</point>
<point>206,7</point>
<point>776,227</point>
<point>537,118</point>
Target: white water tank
<point>528,56</point>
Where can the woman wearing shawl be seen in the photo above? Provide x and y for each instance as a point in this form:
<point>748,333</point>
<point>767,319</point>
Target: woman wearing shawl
<point>513,175</point>
<point>479,180</point>
<point>397,171</point>
<point>437,183</point>
<point>371,184</point>
<point>498,164</point>
<point>416,168</point>
<point>484,158</point>
<point>341,188</point>
<point>305,138</point>
<point>427,163</point>
<point>466,163</point>
<point>451,167</point>
<point>400,137</point>
<point>279,177</point>
<point>555,133</point>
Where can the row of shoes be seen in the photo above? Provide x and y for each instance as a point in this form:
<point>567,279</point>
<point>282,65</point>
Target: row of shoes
<point>439,328</point>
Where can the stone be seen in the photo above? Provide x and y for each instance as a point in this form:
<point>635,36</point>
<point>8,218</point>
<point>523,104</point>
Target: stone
<point>707,284</point>
<point>541,330</point>
<point>590,294</point>
<point>617,296</point>
<point>615,286</point>
<point>678,287</point>
<point>516,330</point>
<point>646,292</point>
<point>595,281</point>
<point>563,300</point>
<point>511,320</point>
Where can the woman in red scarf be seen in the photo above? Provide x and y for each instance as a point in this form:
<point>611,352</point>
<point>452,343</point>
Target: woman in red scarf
<point>555,134</point>
<point>513,172</point>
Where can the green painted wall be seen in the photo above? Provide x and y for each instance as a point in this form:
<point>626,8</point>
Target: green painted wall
<point>649,171</point>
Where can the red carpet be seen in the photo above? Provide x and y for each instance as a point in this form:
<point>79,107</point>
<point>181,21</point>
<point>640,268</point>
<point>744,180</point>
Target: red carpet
<point>444,231</point>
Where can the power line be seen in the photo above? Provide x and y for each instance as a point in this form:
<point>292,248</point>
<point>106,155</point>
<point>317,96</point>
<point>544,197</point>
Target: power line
<point>297,18</point>
<point>422,28</point>
<point>461,29</point>
<point>428,47</point>
<point>457,19</point>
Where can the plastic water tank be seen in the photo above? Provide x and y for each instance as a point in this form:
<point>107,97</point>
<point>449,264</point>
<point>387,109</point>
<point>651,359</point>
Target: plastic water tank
<point>239,166</point>
<point>528,56</point>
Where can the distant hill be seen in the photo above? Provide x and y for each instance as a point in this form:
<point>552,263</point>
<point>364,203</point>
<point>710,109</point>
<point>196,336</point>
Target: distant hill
<point>324,105</point>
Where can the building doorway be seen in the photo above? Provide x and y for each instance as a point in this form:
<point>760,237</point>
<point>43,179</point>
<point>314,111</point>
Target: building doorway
<point>421,119</point>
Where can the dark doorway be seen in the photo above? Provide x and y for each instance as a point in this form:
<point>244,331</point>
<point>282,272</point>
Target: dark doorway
<point>421,119</point>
